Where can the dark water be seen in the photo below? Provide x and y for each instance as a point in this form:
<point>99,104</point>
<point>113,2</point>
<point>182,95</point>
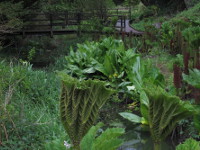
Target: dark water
<point>137,137</point>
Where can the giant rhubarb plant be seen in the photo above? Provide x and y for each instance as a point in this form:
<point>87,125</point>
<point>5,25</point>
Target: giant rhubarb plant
<point>163,111</point>
<point>79,105</point>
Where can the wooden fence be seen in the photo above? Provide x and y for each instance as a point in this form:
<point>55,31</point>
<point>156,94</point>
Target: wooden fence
<point>67,22</point>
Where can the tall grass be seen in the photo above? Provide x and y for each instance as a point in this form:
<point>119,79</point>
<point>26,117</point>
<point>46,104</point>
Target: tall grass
<point>29,107</point>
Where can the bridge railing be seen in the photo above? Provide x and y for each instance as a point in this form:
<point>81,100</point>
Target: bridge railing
<point>65,19</point>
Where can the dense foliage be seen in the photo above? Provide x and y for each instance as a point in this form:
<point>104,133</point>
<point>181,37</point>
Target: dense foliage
<point>153,78</point>
<point>21,97</point>
<point>189,144</point>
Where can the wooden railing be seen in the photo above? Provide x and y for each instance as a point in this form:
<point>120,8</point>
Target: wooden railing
<point>71,21</point>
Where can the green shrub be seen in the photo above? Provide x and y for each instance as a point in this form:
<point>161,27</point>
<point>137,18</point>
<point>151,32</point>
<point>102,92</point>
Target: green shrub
<point>192,36</point>
<point>191,14</point>
<point>167,33</point>
<point>189,144</point>
<point>114,20</point>
<point>193,78</point>
<point>10,16</point>
<point>105,60</point>
<point>45,91</point>
<point>108,60</point>
<point>108,29</point>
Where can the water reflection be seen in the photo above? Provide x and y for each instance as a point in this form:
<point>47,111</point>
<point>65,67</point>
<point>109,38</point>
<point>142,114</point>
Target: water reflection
<point>138,138</point>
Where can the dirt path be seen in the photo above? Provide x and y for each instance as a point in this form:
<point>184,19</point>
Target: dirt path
<point>128,28</point>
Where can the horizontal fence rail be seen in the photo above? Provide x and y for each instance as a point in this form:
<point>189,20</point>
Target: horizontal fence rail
<point>73,21</point>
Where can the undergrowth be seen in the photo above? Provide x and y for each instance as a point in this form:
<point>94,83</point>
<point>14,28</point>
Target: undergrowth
<point>29,107</point>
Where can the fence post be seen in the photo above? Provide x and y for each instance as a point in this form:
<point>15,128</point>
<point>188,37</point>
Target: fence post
<point>124,19</point>
<point>66,18</point>
<point>51,25</point>
<point>23,34</point>
<point>116,35</point>
<point>123,36</point>
<point>130,39</point>
<point>78,22</point>
<point>78,18</point>
<point>130,12</point>
<point>121,23</point>
<point>197,60</point>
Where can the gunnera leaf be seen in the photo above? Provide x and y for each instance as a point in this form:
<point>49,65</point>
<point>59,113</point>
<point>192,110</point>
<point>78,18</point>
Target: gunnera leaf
<point>79,104</point>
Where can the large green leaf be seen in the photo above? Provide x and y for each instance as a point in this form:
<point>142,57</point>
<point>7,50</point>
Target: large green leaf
<point>193,78</point>
<point>197,122</point>
<point>109,144</point>
<point>197,119</point>
<point>131,117</point>
<point>161,111</point>
<point>165,111</point>
<point>79,104</point>
<point>144,103</point>
<point>88,139</point>
<point>108,57</point>
<point>108,140</point>
<point>108,65</point>
<point>89,70</point>
<point>189,144</point>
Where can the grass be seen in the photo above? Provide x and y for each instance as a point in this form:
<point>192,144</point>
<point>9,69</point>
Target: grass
<point>192,14</point>
<point>31,116</point>
<point>141,25</point>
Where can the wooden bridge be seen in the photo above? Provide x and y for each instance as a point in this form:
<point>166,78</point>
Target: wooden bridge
<point>58,23</point>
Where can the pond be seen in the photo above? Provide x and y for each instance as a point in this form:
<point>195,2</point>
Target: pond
<point>136,137</point>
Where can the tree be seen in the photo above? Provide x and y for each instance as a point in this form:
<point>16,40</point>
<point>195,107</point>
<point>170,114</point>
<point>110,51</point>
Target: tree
<point>93,4</point>
<point>11,13</point>
<point>9,18</point>
<point>180,4</point>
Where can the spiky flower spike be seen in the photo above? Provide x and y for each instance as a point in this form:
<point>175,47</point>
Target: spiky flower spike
<point>186,61</point>
<point>79,105</point>
<point>197,65</point>
<point>164,112</point>
<point>177,76</point>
